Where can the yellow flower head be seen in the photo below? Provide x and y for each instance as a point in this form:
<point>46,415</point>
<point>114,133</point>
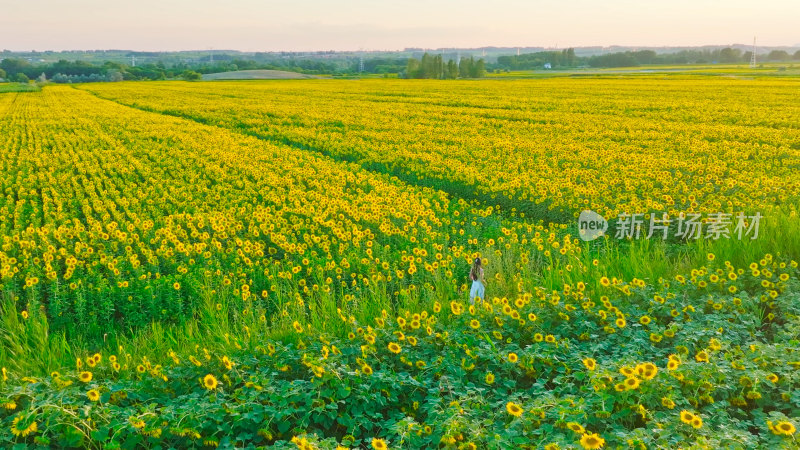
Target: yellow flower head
<point>210,382</point>
<point>514,409</point>
<point>592,441</point>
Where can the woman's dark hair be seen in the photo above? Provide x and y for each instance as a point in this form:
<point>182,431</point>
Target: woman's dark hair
<point>474,273</point>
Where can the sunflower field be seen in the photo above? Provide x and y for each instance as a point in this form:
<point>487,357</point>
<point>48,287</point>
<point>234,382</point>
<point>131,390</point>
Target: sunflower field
<point>284,264</point>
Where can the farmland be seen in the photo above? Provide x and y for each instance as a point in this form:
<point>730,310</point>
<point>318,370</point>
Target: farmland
<point>284,263</point>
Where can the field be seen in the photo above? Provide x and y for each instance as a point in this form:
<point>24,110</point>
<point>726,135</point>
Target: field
<point>285,263</point>
<point>256,75</point>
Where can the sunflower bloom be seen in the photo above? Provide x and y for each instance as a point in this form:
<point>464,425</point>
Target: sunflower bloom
<point>210,382</point>
<point>93,395</point>
<point>514,409</point>
<point>592,441</point>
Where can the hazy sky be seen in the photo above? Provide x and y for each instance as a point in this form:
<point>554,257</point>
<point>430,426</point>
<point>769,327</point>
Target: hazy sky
<point>267,25</point>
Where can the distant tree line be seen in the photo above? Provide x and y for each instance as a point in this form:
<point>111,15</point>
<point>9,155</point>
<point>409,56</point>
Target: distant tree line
<point>566,58</point>
<point>431,66</point>
<point>434,67</point>
<point>63,71</point>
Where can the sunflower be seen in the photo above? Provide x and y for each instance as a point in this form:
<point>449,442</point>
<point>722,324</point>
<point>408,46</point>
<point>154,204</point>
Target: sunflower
<point>474,324</point>
<point>93,395</point>
<point>576,427</point>
<point>772,377</point>
<point>227,363</point>
<point>697,422</point>
<point>514,409</point>
<point>379,444</point>
<point>667,402</point>
<point>297,327</point>
<point>631,383</point>
<point>366,370</point>
<point>605,281</point>
<point>592,441</point>
<point>686,417</point>
<point>701,356</point>
<point>645,320</point>
<point>649,371</point>
<point>210,382</point>
<point>512,357</point>
<point>85,377</point>
<point>590,363</point>
<point>18,431</point>
<point>489,378</point>
<point>785,428</point>
<point>620,322</point>
<point>394,347</point>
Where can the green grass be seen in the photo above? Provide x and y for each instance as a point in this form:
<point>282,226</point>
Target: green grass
<point>19,87</point>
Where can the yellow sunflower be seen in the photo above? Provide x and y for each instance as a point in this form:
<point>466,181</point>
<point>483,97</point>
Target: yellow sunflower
<point>93,395</point>
<point>210,382</point>
<point>592,441</point>
<point>514,409</point>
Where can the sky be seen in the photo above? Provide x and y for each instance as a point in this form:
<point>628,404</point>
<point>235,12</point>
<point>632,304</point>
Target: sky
<point>309,25</point>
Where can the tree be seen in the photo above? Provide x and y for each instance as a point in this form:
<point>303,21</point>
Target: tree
<point>2,73</point>
<point>191,75</point>
<point>412,68</point>
<point>797,55</point>
<point>730,55</point>
<point>452,70</point>
<point>778,55</point>
<point>114,75</point>
<point>478,69</point>
<point>465,67</point>
<point>570,56</point>
<point>13,66</point>
<point>21,78</point>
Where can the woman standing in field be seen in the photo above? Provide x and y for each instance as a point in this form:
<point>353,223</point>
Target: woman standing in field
<point>478,282</point>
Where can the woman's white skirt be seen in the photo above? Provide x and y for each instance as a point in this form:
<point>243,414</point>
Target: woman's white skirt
<point>476,291</point>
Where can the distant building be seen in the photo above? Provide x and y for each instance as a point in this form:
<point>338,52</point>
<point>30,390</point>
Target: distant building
<point>547,66</point>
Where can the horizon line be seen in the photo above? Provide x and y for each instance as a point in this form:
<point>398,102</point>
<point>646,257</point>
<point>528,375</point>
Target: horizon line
<point>364,50</point>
